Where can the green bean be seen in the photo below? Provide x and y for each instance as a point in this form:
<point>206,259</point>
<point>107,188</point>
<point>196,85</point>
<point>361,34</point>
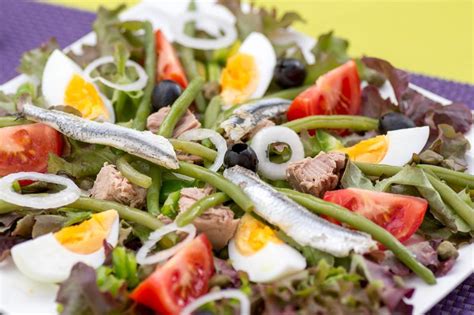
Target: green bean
<point>189,62</point>
<point>119,106</point>
<point>199,207</point>
<point>144,108</point>
<point>179,107</point>
<point>218,181</point>
<point>453,199</point>
<point>363,224</point>
<point>212,112</point>
<point>359,123</point>
<point>131,173</point>
<point>6,207</point>
<point>153,193</point>
<point>171,205</point>
<point>9,121</point>
<point>125,212</point>
<point>288,93</point>
<point>378,169</point>
<point>456,178</point>
<point>213,72</point>
<point>452,177</point>
<point>194,148</point>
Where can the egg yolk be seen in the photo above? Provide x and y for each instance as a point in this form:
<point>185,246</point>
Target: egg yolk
<point>370,151</point>
<point>88,236</point>
<point>239,79</point>
<point>84,97</point>
<point>252,235</point>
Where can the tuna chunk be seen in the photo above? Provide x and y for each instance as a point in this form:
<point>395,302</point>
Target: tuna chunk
<point>217,223</point>
<point>316,175</point>
<point>111,185</point>
<point>187,122</point>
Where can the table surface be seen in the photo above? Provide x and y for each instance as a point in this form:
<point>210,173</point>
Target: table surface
<point>26,25</point>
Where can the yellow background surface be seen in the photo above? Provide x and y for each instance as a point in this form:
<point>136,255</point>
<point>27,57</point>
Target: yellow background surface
<point>425,36</point>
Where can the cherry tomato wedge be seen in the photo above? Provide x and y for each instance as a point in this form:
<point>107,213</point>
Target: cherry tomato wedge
<point>335,93</point>
<point>169,66</point>
<point>400,215</point>
<point>180,280</point>
<point>25,148</point>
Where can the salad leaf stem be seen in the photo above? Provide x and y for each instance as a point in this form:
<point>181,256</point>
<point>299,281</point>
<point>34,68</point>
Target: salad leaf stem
<point>194,148</point>
<point>453,199</point>
<point>452,177</point>
<point>218,181</point>
<point>144,108</point>
<point>180,106</point>
<point>199,207</point>
<point>153,192</point>
<point>359,123</point>
<point>360,223</point>
<point>8,121</point>
<point>131,173</point>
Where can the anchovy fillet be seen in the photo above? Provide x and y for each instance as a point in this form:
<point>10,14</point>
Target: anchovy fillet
<point>246,117</point>
<point>144,144</point>
<point>297,222</point>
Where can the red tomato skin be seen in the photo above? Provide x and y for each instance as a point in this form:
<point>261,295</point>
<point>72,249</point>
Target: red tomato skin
<point>161,289</point>
<point>168,67</point>
<point>400,215</point>
<point>335,93</point>
<point>25,148</point>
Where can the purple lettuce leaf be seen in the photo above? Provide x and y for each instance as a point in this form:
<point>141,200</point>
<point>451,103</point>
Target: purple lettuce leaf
<point>6,243</point>
<point>373,105</point>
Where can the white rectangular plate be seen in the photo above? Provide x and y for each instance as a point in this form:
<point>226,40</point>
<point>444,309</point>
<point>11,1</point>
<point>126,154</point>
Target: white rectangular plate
<point>20,295</point>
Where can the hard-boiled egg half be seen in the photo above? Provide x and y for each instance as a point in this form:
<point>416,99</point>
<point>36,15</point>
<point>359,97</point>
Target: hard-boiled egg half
<point>64,83</point>
<point>396,148</point>
<point>256,250</point>
<point>50,257</point>
<point>248,73</point>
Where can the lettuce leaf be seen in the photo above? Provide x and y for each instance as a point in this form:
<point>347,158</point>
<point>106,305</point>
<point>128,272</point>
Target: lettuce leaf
<point>83,161</point>
<point>32,62</point>
<point>426,112</point>
<point>320,141</point>
<point>447,150</point>
<point>373,105</point>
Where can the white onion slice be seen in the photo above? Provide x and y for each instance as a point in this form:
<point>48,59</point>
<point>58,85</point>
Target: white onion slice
<point>134,86</point>
<point>66,196</point>
<point>213,296</point>
<point>269,135</point>
<point>216,139</point>
<point>142,254</point>
<point>230,33</point>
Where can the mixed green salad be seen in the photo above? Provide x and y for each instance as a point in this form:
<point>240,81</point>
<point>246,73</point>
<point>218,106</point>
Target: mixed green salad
<point>226,166</point>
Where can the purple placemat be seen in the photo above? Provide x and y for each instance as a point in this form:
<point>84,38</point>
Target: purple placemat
<point>25,25</point>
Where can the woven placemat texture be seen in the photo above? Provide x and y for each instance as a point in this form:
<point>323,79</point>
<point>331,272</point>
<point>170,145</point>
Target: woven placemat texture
<point>25,25</point>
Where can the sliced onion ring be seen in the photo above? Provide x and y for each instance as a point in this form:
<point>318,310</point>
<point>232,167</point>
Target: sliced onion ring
<point>269,135</point>
<point>213,296</point>
<point>66,196</point>
<point>134,86</point>
<point>230,33</point>
<point>142,254</point>
<point>216,139</point>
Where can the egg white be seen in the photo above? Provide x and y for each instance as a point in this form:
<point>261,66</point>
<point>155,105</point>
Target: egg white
<point>403,143</point>
<point>57,74</point>
<point>45,259</point>
<point>259,47</point>
<point>272,262</point>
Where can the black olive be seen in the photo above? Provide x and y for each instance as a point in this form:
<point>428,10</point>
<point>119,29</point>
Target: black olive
<point>243,155</point>
<point>165,93</point>
<point>394,121</point>
<point>289,72</point>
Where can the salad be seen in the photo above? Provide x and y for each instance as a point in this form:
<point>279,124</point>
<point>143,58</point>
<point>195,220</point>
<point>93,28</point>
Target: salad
<point>228,165</point>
